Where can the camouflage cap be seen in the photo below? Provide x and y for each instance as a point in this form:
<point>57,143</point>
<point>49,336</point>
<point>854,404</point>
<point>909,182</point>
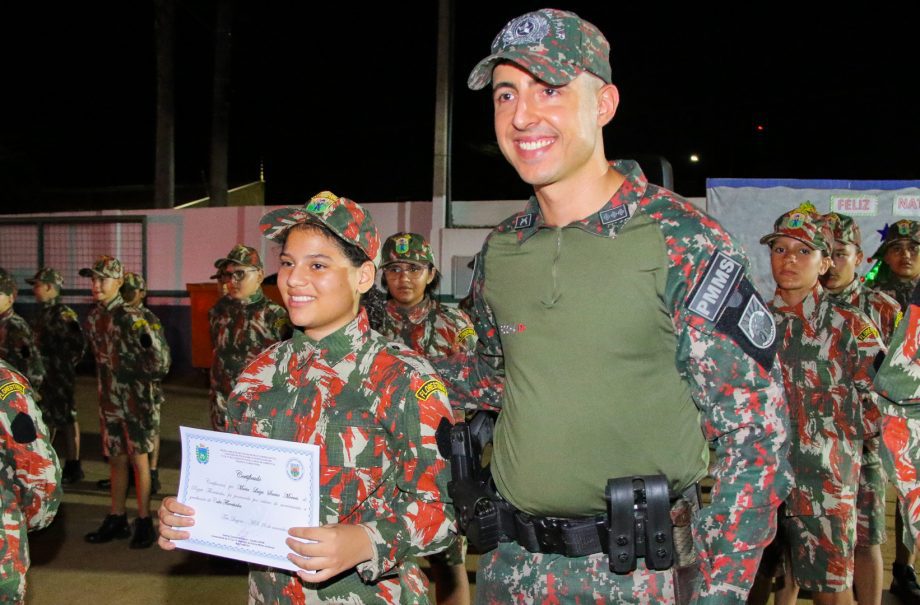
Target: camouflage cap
<point>240,255</point>
<point>407,248</point>
<point>133,281</point>
<point>47,275</point>
<point>902,229</point>
<point>552,45</point>
<point>341,215</point>
<point>844,228</point>
<point>804,224</point>
<point>105,266</point>
<point>7,283</point>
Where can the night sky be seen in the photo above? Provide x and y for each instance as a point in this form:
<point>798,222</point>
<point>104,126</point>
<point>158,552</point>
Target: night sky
<point>336,97</point>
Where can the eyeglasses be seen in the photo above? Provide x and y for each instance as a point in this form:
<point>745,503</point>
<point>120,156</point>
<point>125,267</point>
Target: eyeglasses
<point>237,276</point>
<point>410,270</point>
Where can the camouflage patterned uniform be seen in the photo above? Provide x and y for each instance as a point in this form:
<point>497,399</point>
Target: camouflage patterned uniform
<point>373,408</point>
<point>17,344</point>
<point>239,332</point>
<point>826,355</point>
<point>429,328</point>
<point>132,357</point>
<point>30,480</point>
<point>885,313</point>
<point>59,338</point>
<point>898,380</point>
<point>719,352</point>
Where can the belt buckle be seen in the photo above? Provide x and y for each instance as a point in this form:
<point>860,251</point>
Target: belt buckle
<point>549,533</point>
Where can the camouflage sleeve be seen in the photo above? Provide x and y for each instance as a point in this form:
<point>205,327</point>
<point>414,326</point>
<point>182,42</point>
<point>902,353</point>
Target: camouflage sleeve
<point>898,381</point>
<point>741,400</point>
<point>34,465</point>
<point>867,347</point>
<point>475,378</point>
<point>73,342</point>
<point>466,333</point>
<point>146,331</point>
<point>898,378</point>
<point>419,519</point>
<point>23,352</point>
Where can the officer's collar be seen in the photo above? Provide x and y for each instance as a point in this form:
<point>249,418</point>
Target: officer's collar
<point>606,222</point>
<point>334,347</point>
<point>115,302</point>
<point>805,310</point>
<point>416,314</point>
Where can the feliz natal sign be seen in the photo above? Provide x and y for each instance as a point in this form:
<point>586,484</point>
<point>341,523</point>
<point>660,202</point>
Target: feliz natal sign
<point>855,205</point>
<point>906,205</point>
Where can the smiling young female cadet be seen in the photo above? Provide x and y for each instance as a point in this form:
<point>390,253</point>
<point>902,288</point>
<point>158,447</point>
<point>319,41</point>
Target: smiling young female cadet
<point>372,407</point>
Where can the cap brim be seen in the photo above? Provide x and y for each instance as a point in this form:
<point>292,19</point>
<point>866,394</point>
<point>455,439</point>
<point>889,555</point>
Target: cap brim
<point>275,224</point>
<point>767,239</point>
<point>420,263</point>
<point>87,272</point>
<point>537,65</point>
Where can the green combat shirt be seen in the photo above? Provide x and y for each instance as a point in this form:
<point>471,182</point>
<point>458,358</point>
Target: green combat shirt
<point>615,346</point>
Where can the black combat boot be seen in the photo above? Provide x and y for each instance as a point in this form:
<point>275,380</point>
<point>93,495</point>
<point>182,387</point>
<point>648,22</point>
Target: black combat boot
<point>144,535</point>
<point>114,526</point>
<point>72,472</point>
<point>904,584</point>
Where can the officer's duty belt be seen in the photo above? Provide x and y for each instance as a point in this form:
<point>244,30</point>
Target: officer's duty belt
<point>622,534</point>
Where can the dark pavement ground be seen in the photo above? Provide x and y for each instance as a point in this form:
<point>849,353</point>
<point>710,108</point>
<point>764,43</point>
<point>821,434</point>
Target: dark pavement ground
<point>67,570</point>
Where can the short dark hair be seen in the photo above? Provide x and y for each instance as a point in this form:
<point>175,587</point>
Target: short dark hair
<point>355,255</point>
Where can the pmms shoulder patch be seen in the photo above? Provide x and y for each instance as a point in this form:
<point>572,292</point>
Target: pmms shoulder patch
<point>728,299</point>
<point>709,297</point>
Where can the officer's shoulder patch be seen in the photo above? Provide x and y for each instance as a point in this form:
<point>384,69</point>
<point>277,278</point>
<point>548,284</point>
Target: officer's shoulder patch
<point>866,331</point>
<point>426,390</point>
<point>524,221</point>
<point>728,299</point>
<point>711,294</point>
<point>69,314</point>
<point>10,387</point>
<point>898,318</point>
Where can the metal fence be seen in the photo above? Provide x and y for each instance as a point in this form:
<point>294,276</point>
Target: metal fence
<point>69,244</point>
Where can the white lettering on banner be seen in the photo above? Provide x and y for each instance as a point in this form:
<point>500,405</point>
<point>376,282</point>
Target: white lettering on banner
<point>855,205</point>
<point>906,205</point>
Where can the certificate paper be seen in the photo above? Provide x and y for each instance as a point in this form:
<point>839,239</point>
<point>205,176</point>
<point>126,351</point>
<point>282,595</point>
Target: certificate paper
<point>247,492</point>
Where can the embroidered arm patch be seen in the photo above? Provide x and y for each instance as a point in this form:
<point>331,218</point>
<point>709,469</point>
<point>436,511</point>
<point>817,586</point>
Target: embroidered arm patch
<point>727,298</point>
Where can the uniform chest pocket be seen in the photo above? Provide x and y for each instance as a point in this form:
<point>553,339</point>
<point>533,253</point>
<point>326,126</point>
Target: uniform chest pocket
<point>355,461</point>
<point>832,400</point>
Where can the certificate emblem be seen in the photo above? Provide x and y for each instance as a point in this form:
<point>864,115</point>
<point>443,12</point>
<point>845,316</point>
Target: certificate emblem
<point>201,454</point>
<point>295,469</point>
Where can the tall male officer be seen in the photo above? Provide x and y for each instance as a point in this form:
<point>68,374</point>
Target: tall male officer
<point>627,337</point>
